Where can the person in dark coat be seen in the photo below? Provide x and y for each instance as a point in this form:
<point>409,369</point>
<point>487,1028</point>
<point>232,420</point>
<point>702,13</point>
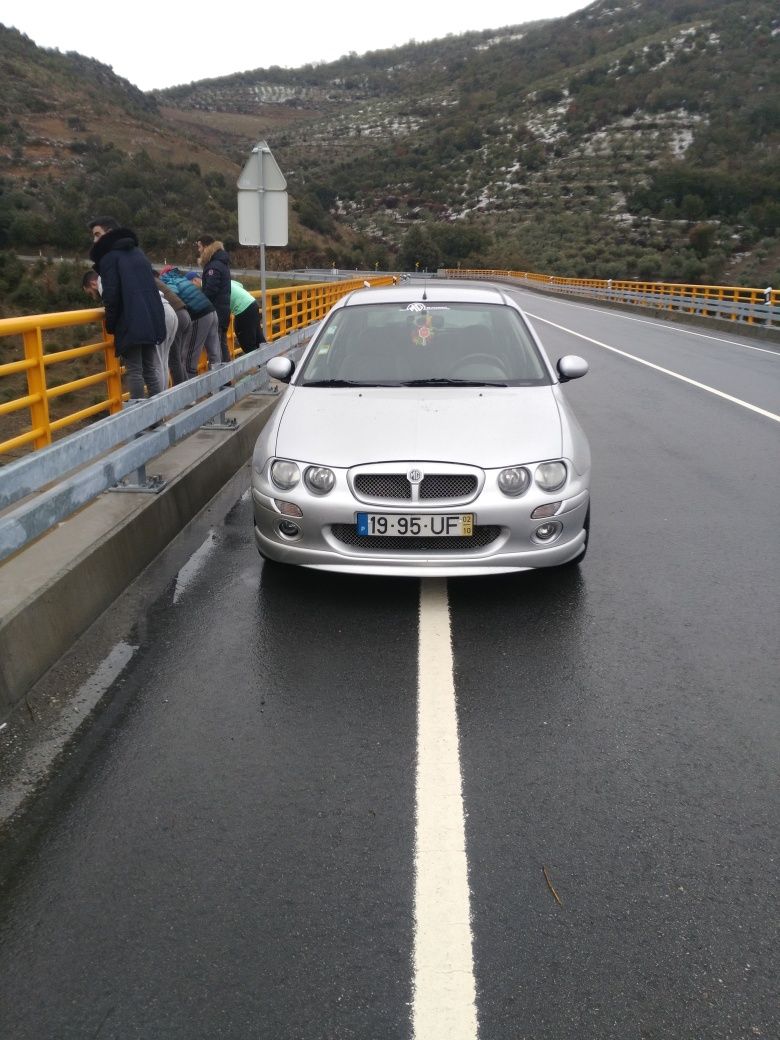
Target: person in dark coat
<point>215,283</point>
<point>134,309</point>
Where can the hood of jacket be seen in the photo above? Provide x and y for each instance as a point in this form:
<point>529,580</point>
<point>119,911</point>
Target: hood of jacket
<point>118,238</point>
<point>215,251</point>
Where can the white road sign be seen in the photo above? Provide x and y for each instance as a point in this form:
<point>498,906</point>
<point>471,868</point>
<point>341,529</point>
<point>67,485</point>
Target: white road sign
<point>262,200</point>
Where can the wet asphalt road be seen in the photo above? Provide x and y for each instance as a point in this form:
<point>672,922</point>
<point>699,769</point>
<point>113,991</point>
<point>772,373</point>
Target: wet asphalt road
<point>231,852</point>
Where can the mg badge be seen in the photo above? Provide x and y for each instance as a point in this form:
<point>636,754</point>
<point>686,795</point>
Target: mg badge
<point>415,476</point>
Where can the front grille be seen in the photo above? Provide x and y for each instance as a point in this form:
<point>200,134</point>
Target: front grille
<point>395,486</point>
<point>383,485</point>
<point>448,485</point>
<point>347,534</point>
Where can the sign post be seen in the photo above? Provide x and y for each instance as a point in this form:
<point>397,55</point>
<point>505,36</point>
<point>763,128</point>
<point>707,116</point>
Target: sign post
<point>262,208</point>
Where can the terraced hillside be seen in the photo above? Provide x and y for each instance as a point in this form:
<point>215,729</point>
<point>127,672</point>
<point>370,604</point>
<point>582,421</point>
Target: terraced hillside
<point>631,139</point>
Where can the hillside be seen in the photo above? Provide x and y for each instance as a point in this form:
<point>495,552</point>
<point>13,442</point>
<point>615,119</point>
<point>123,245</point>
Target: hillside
<point>75,140</point>
<point>624,140</point>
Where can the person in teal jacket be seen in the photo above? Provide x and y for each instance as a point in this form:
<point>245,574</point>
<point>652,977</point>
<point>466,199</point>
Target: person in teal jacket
<point>204,329</point>
<point>187,289</point>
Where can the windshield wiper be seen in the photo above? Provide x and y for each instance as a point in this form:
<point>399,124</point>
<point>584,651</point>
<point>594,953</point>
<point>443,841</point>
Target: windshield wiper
<point>450,382</point>
<point>335,382</point>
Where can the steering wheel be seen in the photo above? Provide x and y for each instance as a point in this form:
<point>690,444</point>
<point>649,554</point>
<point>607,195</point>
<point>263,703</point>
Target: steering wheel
<point>477,359</point>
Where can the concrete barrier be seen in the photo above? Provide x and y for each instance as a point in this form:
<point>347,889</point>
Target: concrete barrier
<point>52,590</point>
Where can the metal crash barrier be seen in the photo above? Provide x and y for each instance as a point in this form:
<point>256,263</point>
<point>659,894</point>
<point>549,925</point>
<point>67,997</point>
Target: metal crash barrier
<point>112,454</point>
<point>41,381</point>
<point>732,303</point>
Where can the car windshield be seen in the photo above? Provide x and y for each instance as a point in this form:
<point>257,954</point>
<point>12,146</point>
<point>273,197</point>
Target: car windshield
<point>424,344</point>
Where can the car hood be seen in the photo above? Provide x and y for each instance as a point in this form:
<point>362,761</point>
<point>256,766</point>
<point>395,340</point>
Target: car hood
<point>483,427</point>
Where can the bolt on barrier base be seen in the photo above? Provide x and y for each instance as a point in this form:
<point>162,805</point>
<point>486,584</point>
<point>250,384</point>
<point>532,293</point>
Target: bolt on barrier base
<point>221,421</point>
<point>267,389</point>
<point>139,481</point>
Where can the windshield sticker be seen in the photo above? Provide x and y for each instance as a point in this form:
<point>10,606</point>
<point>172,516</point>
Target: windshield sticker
<point>418,307</point>
<point>423,330</point>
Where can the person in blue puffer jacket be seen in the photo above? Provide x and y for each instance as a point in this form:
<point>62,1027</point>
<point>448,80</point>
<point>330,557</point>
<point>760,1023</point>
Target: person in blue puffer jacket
<point>204,330</point>
<point>215,283</point>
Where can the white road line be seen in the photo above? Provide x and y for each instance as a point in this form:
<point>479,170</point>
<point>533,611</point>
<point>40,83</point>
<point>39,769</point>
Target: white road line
<point>658,368</point>
<point>195,563</point>
<point>667,326</point>
<point>444,1005</point>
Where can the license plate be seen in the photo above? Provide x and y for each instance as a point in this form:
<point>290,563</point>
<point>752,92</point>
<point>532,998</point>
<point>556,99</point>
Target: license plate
<point>407,525</point>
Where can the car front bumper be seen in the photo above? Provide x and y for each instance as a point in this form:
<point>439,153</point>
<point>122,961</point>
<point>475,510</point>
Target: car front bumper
<point>327,538</point>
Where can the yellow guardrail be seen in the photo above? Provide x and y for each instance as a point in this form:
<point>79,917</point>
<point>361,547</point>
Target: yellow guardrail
<point>732,302</point>
<point>38,379</point>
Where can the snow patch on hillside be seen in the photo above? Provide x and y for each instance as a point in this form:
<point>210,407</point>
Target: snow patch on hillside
<point>487,44</point>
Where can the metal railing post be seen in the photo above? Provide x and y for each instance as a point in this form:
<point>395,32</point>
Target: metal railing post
<point>36,386</point>
<point>138,481</point>
<point>221,421</point>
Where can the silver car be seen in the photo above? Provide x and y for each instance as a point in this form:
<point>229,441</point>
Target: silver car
<point>423,433</point>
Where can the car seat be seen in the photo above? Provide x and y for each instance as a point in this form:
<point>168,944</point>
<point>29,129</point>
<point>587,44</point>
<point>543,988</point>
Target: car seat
<point>375,358</point>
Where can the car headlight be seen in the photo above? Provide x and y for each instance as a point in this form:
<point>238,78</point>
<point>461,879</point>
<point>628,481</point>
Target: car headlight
<point>285,474</point>
<point>550,476</point>
<point>514,481</point>
<point>319,479</point>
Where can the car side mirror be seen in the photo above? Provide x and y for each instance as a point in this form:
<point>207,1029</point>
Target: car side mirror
<point>280,368</point>
<point>571,367</point>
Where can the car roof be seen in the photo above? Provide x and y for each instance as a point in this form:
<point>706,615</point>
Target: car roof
<point>421,292</point>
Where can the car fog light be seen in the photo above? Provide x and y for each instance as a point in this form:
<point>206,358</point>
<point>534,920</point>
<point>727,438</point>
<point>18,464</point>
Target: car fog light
<point>547,532</point>
<point>542,511</point>
<point>288,508</point>
<point>289,529</point>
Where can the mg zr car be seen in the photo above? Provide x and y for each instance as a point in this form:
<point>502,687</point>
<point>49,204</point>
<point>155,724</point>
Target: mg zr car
<point>423,433</point>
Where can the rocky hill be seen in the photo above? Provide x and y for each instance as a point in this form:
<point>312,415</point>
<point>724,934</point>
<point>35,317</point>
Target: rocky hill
<point>633,139</point>
<point>76,140</point>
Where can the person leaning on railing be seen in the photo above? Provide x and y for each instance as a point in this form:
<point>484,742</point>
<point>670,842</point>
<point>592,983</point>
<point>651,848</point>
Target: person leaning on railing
<point>134,310</point>
<point>247,319</point>
<point>183,323</point>
<point>204,330</point>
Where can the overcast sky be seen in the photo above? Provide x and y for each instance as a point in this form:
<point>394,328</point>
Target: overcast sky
<point>163,44</point>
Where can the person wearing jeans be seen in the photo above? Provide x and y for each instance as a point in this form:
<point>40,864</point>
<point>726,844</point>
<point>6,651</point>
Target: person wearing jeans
<point>203,330</point>
<point>215,283</point>
<point>133,305</point>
